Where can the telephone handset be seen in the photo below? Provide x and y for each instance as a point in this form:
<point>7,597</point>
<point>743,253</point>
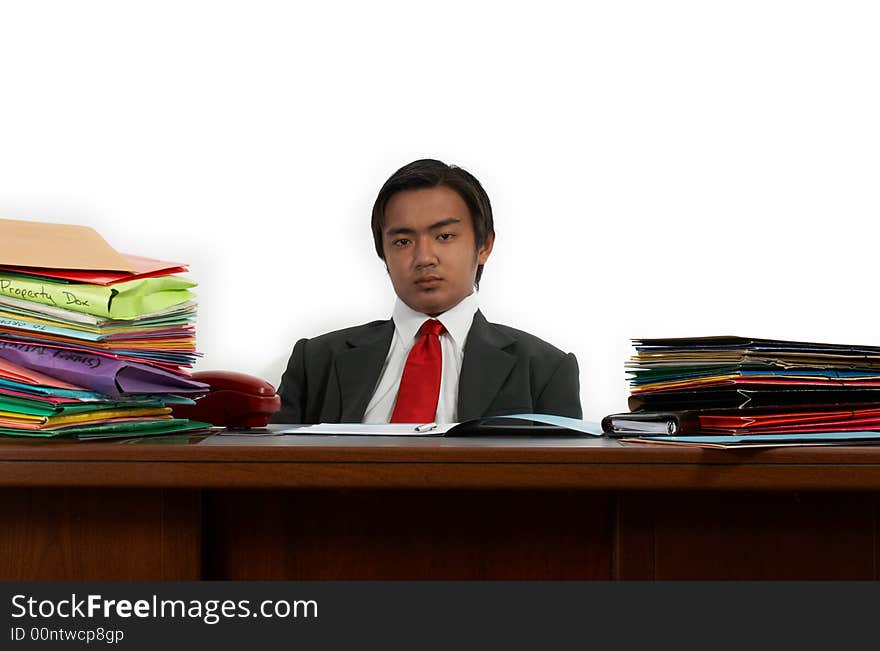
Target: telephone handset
<point>235,400</point>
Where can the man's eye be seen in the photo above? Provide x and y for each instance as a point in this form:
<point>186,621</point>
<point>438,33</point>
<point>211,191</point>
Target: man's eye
<point>446,236</point>
<point>401,242</point>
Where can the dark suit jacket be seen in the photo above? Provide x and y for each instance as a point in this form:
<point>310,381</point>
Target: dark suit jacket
<point>331,378</point>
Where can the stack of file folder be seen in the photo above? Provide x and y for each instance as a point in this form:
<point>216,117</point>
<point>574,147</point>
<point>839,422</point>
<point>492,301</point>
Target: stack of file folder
<point>93,343</point>
<point>742,387</point>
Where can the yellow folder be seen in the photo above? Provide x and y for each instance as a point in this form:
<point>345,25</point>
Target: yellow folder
<point>57,246</point>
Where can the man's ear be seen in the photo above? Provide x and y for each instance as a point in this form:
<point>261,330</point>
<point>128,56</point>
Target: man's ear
<point>484,251</point>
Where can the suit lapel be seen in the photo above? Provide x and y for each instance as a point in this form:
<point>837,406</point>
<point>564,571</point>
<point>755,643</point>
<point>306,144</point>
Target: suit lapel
<point>358,369</point>
<point>485,367</point>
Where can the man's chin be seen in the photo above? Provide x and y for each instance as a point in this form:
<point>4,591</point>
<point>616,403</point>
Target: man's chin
<point>429,307</point>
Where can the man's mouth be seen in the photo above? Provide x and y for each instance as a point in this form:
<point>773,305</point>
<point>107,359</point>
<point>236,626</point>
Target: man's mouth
<point>429,281</point>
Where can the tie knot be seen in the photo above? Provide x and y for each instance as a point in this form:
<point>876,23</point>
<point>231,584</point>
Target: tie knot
<point>432,327</point>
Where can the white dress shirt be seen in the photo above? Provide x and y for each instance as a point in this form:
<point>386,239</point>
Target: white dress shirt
<point>407,322</point>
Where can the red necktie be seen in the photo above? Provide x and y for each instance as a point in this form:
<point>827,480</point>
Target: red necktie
<point>419,388</point>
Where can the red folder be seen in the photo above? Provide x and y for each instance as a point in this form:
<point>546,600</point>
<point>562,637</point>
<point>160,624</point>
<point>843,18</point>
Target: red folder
<point>802,421</point>
<point>143,268</point>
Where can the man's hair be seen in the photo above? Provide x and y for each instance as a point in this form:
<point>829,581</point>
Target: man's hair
<point>430,173</point>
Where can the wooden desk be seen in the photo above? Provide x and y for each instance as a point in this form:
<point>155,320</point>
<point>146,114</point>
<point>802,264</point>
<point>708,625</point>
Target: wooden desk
<point>233,507</point>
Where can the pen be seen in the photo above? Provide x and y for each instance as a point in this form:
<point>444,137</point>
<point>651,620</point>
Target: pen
<point>427,427</point>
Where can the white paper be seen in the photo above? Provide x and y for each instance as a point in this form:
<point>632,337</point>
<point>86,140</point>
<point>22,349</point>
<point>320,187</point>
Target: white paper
<point>373,429</point>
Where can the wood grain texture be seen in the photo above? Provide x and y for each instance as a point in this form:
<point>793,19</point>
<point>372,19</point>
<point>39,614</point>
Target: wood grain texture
<point>748,536</point>
<point>340,508</point>
<point>434,463</point>
<point>102,535</point>
<point>409,535</point>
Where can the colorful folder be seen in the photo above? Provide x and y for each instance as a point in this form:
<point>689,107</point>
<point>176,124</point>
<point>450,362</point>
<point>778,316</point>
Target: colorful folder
<point>93,343</point>
<point>746,386</point>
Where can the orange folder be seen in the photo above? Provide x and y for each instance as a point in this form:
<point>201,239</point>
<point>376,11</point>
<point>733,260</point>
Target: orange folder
<point>16,373</point>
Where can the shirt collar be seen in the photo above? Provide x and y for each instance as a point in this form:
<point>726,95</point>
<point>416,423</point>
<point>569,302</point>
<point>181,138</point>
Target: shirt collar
<point>457,320</point>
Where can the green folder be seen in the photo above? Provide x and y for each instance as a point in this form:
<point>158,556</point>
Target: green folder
<point>113,430</point>
<point>126,300</point>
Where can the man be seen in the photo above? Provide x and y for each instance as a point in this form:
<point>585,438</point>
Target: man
<point>437,359</point>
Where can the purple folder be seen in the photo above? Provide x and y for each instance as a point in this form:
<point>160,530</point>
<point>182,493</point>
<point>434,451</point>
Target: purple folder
<point>106,375</point>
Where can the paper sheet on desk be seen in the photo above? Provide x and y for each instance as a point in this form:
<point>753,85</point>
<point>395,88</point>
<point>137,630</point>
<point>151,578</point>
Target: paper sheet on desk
<point>762,440</point>
<point>563,422</point>
<point>441,429</point>
<point>362,429</point>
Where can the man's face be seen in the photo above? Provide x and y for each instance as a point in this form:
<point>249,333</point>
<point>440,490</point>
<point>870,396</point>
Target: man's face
<point>430,250</point>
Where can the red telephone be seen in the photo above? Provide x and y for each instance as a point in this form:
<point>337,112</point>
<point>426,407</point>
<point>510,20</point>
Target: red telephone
<point>235,400</point>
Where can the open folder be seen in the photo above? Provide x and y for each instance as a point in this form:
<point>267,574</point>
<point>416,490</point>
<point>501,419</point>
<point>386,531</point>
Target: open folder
<point>528,424</point>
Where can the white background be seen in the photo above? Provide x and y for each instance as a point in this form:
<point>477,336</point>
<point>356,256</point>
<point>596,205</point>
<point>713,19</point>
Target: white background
<point>655,168</point>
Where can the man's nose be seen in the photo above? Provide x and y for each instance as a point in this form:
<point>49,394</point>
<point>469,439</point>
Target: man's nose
<point>425,252</point>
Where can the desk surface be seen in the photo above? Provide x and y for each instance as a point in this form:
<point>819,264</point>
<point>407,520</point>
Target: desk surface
<point>240,460</point>
<point>347,507</point>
